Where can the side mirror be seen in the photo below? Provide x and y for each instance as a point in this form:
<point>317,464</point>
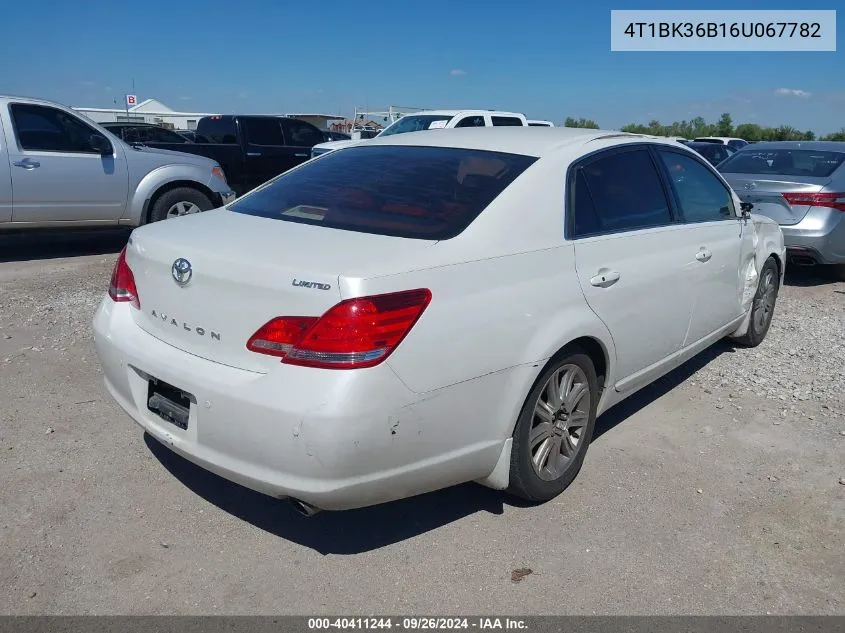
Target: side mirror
<point>100,144</point>
<point>745,208</point>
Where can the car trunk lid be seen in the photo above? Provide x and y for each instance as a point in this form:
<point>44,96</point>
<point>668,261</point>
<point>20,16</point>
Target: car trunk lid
<point>766,193</point>
<point>244,271</point>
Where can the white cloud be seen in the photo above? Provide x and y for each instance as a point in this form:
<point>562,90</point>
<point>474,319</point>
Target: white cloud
<point>457,72</point>
<point>792,92</point>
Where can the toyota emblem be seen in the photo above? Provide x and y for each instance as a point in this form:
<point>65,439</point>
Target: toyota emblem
<point>182,271</point>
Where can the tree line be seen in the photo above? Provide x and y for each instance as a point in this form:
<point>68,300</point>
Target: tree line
<point>698,127</point>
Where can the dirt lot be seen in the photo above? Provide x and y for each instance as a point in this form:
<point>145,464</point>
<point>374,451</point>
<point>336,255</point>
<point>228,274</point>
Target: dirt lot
<point>719,490</point>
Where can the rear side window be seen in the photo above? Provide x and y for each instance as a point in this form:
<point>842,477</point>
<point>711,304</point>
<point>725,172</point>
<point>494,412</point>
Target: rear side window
<point>162,135</point>
<point>218,130</point>
<point>701,195</point>
<point>263,131</point>
<point>506,121</point>
<point>429,193</point>
<point>471,121</point>
<point>621,191</point>
<point>783,162</point>
<point>151,134</point>
<point>301,134</point>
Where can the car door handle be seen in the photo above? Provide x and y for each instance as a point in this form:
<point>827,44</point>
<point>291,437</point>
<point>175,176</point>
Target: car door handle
<point>27,163</point>
<point>703,255</point>
<point>253,153</point>
<point>301,155</point>
<point>604,278</point>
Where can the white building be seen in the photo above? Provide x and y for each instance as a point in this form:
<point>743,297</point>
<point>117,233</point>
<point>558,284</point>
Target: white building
<point>148,111</point>
<point>154,111</point>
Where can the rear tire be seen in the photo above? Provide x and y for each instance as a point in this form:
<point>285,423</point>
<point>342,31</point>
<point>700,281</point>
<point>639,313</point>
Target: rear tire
<point>763,305</point>
<point>554,428</point>
<point>179,201</point>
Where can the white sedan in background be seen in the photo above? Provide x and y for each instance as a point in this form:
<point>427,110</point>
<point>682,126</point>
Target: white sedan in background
<point>448,306</point>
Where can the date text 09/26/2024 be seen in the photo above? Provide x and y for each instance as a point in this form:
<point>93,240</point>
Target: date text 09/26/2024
<point>711,30</point>
<point>416,623</point>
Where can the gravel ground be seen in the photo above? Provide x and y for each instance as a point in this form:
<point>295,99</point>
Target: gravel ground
<point>718,490</point>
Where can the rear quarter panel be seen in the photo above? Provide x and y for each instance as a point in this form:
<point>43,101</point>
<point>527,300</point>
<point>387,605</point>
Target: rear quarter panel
<point>490,328</point>
<point>770,242</point>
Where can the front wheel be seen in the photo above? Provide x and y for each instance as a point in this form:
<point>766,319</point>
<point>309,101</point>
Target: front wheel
<point>179,201</point>
<point>763,305</point>
<point>554,428</point>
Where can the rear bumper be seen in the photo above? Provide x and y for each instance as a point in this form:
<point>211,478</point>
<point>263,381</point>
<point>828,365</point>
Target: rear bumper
<point>334,439</point>
<point>820,235</point>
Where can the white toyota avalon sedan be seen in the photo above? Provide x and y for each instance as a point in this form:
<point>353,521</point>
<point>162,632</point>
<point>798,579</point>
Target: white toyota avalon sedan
<point>431,309</point>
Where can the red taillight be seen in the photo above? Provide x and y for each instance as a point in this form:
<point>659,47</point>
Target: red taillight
<point>278,336</point>
<point>831,200</point>
<point>122,286</point>
<point>355,333</point>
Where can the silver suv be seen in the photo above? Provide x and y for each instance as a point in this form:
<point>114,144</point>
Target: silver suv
<point>60,169</point>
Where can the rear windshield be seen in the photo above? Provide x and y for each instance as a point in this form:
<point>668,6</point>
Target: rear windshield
<point>783,162</point>
<point>709,150</point>
<point>430,193</point>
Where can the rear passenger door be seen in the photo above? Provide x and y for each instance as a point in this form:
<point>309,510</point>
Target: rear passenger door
<point>300,137</point>
<point>707,208</point>
<point>631,253</point>
<point>266,155</point>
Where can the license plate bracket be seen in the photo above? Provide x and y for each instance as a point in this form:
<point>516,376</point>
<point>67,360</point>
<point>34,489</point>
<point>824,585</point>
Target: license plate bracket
<point>169,403</point>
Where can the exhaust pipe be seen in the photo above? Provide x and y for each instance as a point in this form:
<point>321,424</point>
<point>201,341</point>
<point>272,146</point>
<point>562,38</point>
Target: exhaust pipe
<point>305,509</point>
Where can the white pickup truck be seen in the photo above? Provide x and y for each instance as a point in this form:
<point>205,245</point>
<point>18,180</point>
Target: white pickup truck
<point>432,120</point>
<point>61,170</point>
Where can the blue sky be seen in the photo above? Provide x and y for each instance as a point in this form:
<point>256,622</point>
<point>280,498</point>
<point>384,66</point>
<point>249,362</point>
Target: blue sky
<point>547,59</point>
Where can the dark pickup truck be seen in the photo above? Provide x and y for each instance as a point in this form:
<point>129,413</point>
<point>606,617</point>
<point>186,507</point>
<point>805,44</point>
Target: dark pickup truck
<point>251,149</point>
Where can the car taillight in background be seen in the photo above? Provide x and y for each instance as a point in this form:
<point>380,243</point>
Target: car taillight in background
<point>122,287</point>
<point>355,333</point>
<point>830,200</point>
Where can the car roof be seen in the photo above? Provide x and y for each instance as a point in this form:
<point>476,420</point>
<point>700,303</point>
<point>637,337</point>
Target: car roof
<point>818,146</point>
<point>529,141</point>
<point>132,124</point>
<point>453,113</point>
